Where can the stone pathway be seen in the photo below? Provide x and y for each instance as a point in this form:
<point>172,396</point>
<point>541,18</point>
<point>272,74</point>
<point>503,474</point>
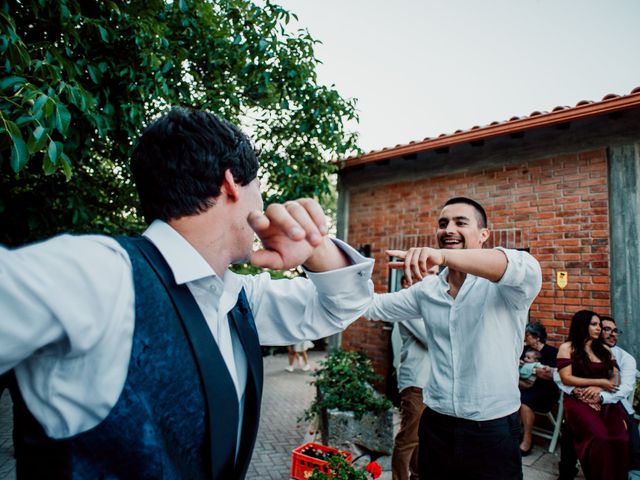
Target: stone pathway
<point>286,396</point>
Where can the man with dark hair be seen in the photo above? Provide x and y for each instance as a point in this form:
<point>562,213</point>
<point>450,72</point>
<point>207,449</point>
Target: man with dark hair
<point>478,210</point>
<point>597,396</point>
<point>140,357</point>
<point>475,312</point>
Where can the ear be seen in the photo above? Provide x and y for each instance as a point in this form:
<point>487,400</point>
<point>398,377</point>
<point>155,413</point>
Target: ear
<point>485,233</point>
<point>229,187</point>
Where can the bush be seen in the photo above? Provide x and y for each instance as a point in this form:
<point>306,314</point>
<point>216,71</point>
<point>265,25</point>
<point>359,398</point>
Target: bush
<point>344,382</point>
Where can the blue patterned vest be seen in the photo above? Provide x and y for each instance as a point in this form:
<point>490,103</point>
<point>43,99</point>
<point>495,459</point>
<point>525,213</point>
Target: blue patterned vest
<point>177,415</point>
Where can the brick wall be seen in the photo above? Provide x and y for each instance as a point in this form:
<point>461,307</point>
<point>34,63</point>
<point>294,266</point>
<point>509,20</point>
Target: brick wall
<point>556,207</point>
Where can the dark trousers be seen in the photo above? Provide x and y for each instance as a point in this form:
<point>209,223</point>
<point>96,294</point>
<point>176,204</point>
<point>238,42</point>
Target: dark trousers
<point>454,448</point>
<point>569,459</point>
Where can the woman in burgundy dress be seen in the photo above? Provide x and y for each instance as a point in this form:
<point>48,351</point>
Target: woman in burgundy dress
<point>600,431</point>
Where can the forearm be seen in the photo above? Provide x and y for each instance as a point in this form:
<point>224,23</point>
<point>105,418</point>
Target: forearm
<point>393,307</point>
<point>545,373</point>
<point>573,381</point>
<point>327,257</point>
<point>487,263</point>
<point>288,311</point>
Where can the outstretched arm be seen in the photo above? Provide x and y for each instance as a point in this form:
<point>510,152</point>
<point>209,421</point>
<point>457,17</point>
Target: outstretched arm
<point>487,263</point>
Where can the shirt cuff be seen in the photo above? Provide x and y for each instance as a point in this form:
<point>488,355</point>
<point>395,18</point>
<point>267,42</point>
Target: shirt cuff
<point>334,281</point>
<point>607,397</point>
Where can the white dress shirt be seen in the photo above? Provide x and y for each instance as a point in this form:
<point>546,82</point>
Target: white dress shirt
<point>67,317</point>
<point>627,365</point>
<point>474,340</point>
<point>415,364</point>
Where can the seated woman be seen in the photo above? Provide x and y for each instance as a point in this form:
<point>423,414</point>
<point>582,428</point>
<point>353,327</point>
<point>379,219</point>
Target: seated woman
<point>600,431</point>
<point>543,394</point>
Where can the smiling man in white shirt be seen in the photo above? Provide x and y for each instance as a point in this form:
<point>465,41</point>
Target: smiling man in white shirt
<point>475,314</point>
<point>140,357</point>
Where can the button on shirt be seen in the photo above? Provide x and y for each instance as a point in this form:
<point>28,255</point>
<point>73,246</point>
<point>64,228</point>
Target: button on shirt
<point>67,310</point>
<point>474,340</point>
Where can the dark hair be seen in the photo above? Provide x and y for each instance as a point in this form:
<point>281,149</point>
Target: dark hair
<point>481,215</point>
<point>179,161</point>
<point>607,317</point>
<point>578,336</point>
<point>537,330</point>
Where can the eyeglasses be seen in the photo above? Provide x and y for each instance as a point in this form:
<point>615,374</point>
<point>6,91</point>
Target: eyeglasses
<point>611,330</point>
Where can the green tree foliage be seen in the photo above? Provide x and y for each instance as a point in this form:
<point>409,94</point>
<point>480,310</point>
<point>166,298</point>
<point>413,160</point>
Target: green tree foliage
<point>80,78</point>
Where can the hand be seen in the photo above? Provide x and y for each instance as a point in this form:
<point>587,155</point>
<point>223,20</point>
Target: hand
<point>592,394</point>
<point>289,232</point>
<point>608,385</point>
<point>417,261</point>
<point>596,406</point>
<point>544,372</point>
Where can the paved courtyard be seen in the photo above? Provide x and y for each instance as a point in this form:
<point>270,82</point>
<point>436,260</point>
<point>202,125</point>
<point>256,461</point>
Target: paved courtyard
<point>286,396</point>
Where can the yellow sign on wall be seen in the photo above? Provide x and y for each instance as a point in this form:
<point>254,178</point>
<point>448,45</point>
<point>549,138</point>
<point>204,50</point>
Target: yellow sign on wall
<point>562,279</point>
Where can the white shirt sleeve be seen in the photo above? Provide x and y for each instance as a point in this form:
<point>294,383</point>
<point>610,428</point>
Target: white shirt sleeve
<point>522,279</point>
<point>60,295</point>
<point>292,310</point>
<point>564,388</point>
<point>397,306</point>
<point>627,385</point>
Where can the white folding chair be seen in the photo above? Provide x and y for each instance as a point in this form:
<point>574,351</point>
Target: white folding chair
<point>552,434</point>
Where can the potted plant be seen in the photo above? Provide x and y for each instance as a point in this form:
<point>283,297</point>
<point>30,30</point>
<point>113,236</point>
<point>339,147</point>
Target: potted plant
<point>351,412</point>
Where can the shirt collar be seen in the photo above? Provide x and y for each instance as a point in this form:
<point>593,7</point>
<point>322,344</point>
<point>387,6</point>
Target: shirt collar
<point>185,262</point>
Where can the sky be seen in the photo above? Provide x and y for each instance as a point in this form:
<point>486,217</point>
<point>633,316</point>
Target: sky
<point>420,68</point>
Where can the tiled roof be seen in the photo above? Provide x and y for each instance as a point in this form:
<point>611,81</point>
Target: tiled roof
<point>583,109</point>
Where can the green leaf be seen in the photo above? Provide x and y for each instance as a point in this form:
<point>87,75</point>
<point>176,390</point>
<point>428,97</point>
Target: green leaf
<point>39,104</point>
<point>19,151</point>
<point>53,152</point>
<point>23,120</point>
<point>63,118</point>
<point>183,6</point>
<point>48,166</point>
<point>37,139</point>
<point>103,34</point>
<point>66,166</point>
<point>94,73</point>
<point>9,82</point>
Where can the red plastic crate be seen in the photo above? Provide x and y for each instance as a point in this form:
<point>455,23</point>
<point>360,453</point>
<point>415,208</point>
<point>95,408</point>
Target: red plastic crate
<point>302,465</point>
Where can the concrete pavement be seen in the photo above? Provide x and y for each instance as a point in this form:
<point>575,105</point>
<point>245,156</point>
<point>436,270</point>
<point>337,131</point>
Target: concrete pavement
<point>286,396</point>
